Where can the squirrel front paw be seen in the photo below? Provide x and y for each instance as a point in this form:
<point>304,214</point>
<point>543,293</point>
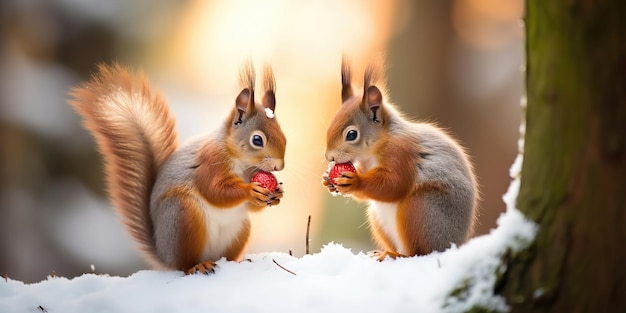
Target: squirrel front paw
<point>347,182</point>
<point>328,184</point>
<point>259,195</point>
<point>262,197</point>
<point>277,195</point>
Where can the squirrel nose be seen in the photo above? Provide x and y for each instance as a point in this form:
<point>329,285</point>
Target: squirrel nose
<point>329,157</point>
<point>279,165</point>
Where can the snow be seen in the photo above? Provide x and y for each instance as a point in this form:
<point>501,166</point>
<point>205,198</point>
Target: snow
<point>335,279</point>
<point>269,113</point>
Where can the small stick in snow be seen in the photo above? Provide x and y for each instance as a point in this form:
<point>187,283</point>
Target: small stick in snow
<point>290,252</point>
<point>308,228</point>
<point>438,263</point>
<point>42,309</point>
<point>288,271</point>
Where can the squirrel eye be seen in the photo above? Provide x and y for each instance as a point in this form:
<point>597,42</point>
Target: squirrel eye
<point>257,140</point>
<point>352,135</point>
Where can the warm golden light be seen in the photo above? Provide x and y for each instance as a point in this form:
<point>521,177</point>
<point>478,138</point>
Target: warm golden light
<point>303,41</point>
<point>487,24</point>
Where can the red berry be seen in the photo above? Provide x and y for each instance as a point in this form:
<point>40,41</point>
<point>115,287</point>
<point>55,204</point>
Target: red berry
<point>339,168</point>
<point>266,179</point>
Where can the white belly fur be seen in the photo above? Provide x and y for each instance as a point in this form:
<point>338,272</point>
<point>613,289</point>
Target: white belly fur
<point>223,226</point>
<point>385,214</point>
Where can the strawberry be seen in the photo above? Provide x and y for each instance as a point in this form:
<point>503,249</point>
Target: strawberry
<point>266,180</point>
<point>339,168</point>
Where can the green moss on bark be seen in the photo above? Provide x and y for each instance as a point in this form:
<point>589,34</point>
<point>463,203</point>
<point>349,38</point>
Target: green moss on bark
<point>574,172</point>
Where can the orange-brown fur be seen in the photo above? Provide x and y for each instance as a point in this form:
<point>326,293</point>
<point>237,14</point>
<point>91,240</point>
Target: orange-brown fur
<point>410,226</point>
<point>165,196</point>
<point>213,170</point>
<point>192,232</point>
<point>103,102</point>
<point>419,182</point>
<point>387,183</point>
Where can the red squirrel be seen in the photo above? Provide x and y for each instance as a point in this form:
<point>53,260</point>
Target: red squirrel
<point>185,206</point>
<point>419,183</point>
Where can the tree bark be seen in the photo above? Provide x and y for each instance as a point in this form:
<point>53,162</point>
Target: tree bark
<point>573,181</point>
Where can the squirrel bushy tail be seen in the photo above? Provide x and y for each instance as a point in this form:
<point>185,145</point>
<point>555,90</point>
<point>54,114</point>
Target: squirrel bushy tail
<point>135,133</point>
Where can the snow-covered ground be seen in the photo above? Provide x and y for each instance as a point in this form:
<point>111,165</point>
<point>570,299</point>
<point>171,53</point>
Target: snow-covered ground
<point>334,280</point>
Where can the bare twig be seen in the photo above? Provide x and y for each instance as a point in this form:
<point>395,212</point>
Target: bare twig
<point>308,228</point>
<point>42,309</point>
<point>288,271</point>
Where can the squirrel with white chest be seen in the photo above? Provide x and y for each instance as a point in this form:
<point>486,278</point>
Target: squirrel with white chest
<point>419,183</point>
<point>185,206</point>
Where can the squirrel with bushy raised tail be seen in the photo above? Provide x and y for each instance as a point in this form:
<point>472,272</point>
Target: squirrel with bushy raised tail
<point>419,183</point>
<point>185,206</point>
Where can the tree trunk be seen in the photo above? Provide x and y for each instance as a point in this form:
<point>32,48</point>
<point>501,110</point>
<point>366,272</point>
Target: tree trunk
<point>574,173</point>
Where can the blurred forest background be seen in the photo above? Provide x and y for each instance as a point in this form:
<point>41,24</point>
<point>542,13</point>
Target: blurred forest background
<point>453,62</point>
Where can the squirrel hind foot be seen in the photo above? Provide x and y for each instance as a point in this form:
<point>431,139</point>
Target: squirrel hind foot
<point>206,268</point>
<point>382,255</point>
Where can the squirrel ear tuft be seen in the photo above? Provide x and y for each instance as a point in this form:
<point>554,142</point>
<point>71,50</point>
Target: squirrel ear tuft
<point>245,99</point>
<point>269,98</point>
<point>346,80</point>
